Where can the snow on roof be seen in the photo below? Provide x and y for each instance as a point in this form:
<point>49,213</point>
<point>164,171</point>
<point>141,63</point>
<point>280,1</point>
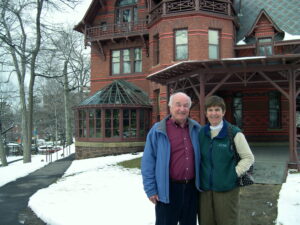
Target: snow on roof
<point>288,36</point>
<point>241,42</point>
<point>242,58</point>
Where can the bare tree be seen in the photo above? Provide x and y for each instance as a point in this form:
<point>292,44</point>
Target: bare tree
<point>72,63</point>
<point>21,34</point>
<point>6,114</point>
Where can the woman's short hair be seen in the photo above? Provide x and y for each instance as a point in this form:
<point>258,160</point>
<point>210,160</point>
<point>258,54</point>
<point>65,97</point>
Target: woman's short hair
<point>181,93</point>
<point>214,100</point>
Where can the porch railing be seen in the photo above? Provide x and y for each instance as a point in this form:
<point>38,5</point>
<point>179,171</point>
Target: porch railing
<point>167,7</point>
<point>113,30</point>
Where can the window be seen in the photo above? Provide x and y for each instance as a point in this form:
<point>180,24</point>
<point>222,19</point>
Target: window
<point>91,123</point>
<point>137,60</point>
<point>108,123</point>
<point>238,109</point>
<point>127,61</point>
<point>82,123</point>
<point>213,44</point>
<point>98,123</point>
<point>144,122</point>
<point>129,123</point>
<point>116,130</point>
<point>103,26</point>
<point>181,44</point>
<point>264,47</point>
<point>126,12</point>
<point>116,62</point>
<point>274,110</point>
<point>155,49</point>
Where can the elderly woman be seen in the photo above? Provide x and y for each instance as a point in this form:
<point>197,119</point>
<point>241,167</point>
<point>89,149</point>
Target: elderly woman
<point>219,170</point>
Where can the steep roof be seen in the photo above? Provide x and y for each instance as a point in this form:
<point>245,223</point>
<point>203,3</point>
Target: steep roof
<point>119,92</point>
<point>284,13</point>
<point>89,15</point>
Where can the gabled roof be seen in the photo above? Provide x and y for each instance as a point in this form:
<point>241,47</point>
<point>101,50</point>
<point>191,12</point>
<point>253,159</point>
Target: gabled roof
<point>90,14</point>
<point>285,14</point>
<point>260,15</point>
<point>119,92</point>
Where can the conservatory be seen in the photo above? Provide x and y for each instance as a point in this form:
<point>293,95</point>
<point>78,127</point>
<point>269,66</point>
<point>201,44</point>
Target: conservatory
<point>114,120</point>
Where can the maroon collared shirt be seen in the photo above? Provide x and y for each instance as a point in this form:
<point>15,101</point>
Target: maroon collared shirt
<point>182,162</point>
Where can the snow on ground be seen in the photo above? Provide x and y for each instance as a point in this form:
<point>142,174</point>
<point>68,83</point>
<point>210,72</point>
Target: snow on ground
<point>289,200</point>
<point>97,191</point>
<point>19,169</point>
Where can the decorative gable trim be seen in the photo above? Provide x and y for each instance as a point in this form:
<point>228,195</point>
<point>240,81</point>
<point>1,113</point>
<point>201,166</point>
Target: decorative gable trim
<point>90,14</point>
<point>259,24</point>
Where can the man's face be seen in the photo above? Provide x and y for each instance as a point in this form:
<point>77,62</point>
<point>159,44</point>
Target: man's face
<point>215,115</point>
<point>180,108</point>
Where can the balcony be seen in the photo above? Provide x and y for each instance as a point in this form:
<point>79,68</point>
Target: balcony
<point>171,7</point>
<point>113,31</point>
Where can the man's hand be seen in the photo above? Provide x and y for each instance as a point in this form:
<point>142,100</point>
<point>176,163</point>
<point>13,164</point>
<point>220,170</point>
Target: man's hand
<point>154,199</point>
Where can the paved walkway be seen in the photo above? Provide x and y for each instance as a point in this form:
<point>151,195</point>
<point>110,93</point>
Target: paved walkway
<point>14,196</point>
<point>270,163</point>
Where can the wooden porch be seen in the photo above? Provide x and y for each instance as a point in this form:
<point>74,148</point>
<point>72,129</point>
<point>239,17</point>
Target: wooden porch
<point>203,78</point>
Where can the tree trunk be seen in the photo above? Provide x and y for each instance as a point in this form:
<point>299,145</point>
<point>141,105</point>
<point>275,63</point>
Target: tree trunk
<point>2,152</point>
<point>68,126</point>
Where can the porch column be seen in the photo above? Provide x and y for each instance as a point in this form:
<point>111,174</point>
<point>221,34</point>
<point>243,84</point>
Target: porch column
<point>168,98</point>
<point>201,99</point>
<point>292,120</point>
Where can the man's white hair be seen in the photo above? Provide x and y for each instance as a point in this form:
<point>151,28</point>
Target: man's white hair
<point>179,93</point>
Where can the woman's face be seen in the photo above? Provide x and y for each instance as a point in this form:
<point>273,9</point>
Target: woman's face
<point>215,115</point>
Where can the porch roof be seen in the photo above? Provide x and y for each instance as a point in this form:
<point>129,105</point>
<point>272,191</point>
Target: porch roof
<point>192,68</point>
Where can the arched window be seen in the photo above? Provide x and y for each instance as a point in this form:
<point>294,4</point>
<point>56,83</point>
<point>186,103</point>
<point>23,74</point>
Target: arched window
<point>126,11</point>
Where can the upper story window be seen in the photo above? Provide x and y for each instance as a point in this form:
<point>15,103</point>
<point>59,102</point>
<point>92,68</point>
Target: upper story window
<point>126,11</point>
<point>103,26</point>
<point>181,44</point>
<point>126,61</point>
<point>213,44</point>
<point>264,46</point>
<point>155,49</point>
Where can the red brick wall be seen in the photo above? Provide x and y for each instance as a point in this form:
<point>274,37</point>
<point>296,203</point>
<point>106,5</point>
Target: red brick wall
<point>198,26</point>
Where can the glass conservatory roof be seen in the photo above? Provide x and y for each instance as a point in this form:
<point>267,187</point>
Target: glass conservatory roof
<point>119,92</point>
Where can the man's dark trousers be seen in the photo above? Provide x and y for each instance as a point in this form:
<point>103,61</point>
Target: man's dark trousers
<point>182,207</point>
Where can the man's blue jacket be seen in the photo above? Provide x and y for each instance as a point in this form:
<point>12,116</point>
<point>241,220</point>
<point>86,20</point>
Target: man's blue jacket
<point>156,159</point>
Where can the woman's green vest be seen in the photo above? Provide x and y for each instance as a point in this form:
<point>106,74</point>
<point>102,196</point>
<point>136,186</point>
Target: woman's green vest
<point>217,168</point>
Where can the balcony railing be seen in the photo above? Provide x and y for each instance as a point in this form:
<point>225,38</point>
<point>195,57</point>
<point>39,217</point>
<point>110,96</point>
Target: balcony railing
<point>115,30</point>
<point>167,7</point>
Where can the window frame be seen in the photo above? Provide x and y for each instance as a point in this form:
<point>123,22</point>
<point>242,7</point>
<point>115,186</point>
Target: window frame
<point>177,45</point>
<point>120,13</point>
<point>264,45</point>
<point>277,95</point>
<point>132,60</point>
<point>238,107</point>
<point>218,45</point>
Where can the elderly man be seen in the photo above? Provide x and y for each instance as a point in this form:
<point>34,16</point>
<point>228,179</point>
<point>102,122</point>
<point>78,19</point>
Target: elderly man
<point>170,165</point>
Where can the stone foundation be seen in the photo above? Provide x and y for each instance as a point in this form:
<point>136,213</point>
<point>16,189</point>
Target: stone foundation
<point>84,150</point>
